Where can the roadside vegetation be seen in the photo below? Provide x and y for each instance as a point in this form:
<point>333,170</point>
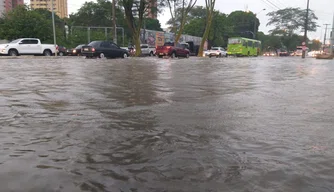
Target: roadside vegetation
<point>186,18</point>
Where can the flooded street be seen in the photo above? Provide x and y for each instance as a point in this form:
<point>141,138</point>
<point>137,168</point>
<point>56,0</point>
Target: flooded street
<point>161,125</point>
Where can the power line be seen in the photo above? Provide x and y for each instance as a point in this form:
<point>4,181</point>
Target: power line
<point>280,3</point>
<point>273,4</point>
<point>269,5</point>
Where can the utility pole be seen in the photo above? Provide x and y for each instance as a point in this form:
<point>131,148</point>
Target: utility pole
<point>332,39</point>
<point>114,21</point>
<point>325,37</point>
<point>305,30</point>
<point>54,28</point>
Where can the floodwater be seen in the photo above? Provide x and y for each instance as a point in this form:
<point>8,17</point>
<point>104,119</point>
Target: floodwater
<point>162,125</point>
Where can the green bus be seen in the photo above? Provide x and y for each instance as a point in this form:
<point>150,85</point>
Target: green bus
<point>239,46</point>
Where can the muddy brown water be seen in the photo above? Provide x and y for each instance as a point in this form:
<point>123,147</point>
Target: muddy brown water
<point>147,124</point>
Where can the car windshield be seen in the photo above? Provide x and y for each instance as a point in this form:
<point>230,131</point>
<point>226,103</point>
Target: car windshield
<point>214,48</point>
<point>15,41</point>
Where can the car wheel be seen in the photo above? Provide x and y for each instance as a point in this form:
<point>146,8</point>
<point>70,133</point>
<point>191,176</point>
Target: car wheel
<point>151,54</point>
<point>13,52</point>
<point>160,56</point>
<point>187,56</point>
<point>102,56</point>
<point>47,53</point>
<point>61,54</point>
<point>125,55</point>
<point>173,55</point>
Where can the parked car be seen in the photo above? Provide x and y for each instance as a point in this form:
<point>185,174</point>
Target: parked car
<point>180,50</point>
<point>75,51</point>
<point>61,51</point>
<point>147,50</point>
<point>283,53</point>
<point>27,46</point>
<point>216,52</point>
<point>103,49</point>
<point>269,54</point>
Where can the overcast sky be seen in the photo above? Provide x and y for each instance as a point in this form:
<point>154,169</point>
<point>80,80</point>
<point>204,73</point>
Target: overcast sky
<point>324,9</point>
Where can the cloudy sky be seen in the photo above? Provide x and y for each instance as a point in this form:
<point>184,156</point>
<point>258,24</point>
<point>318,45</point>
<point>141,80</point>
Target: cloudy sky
<point>324,9</point>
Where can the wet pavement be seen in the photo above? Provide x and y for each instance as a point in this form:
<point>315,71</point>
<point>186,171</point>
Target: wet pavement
<point>229,124</point>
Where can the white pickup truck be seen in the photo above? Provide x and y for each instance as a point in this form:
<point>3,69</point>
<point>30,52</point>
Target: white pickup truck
<point>27,46</point>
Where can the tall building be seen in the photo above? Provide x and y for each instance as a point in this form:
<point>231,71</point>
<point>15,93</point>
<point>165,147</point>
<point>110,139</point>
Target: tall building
<point>59,6</point>
<point>7,5</point>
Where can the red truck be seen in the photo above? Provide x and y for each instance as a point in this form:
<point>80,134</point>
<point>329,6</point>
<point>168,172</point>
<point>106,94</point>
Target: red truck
<point>180,50</point>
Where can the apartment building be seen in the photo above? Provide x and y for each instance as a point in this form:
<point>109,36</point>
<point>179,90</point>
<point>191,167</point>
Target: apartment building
<point>7,5</point>
<point>59,6</point>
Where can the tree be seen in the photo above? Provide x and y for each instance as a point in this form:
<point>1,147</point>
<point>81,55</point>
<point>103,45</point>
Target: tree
<point>14,25</point>
<point>315,45</point>
<point>210,5</point>
<point>220,27</point>
<point>179,9</point>
<point>289,20</point>
<point>243,23</point>
<point>96,14</point>
<point>132,8</point>
<point>153,24</point>
<point>197,12</point>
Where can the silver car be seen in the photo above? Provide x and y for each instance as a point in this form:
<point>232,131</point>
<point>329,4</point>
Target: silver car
<point>216,52</point>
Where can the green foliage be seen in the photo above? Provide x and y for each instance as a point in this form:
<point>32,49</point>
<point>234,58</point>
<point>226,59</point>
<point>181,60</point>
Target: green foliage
<point>23,22</point>
<point>315,45</point>
<point>96,14</point>
<point>14,25</point>
<point>223,26</point>
<point>153,24</point>
<point>243,23</point>
<point>289,20</point>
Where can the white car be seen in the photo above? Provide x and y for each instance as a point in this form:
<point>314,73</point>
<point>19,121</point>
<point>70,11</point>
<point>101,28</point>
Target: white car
<point>27,46</point>
<point>216,52</point>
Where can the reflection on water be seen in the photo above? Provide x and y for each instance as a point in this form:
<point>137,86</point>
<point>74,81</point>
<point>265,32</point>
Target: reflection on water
<point>229,124</point>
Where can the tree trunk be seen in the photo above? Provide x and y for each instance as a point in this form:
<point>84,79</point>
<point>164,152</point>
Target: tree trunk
<point>205,35</point>
<point>179,34</point>
<point>136,41</point>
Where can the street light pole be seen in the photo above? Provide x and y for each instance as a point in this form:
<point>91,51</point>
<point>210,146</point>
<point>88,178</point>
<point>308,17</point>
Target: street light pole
<point>332,39</point>
<point>305,30</point>
<point>114,21</point>
<point>255,24</point>
<point>325,37</point>
<point>54,28</point>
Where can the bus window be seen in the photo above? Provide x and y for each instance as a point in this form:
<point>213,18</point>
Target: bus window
<point>256,44</point>
<point>244,43</point>
<point>234,41</point>
<point>250,43</point>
